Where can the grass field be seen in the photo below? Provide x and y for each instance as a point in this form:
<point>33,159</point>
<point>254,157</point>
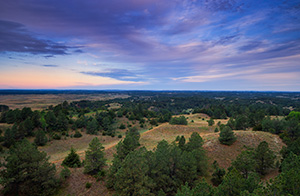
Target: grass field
<point>38,102</point>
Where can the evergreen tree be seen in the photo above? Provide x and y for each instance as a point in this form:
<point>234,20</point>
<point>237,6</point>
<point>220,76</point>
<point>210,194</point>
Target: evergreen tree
<point>62,122</point>
<point>245,163</point>
<point>227,136</point>
<point>40,138</point>
<point>94,157</point>
<point>129,144</point>
<point>287,183</point>
<point>132,178</point>
<point>264,158</point>
<point>9,137</point>
<point>218,174</point>
<point>232,184</point>
<point>51,120</point>
<point>72,160</point>
<point>92,127</point>
<point>201,189</point>
<point>181,143</point>
<point>194,146</point>
<point>211,122</point>
<point>28,172</point>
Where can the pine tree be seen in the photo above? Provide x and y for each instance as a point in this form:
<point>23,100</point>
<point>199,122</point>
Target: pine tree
<point>92,127</point>
<point>245,163</point>
<point>264,158</point>
<point>217,176</point>
<point>94,157</point>
<point>132,179</point>
<point>40,138</point>
<point>27,171</point>
<point>72,160</point>
<point>211,122</point>
<point>227,136</point>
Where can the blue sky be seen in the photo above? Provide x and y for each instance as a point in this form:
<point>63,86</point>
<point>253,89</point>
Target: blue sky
<point>150,44</point>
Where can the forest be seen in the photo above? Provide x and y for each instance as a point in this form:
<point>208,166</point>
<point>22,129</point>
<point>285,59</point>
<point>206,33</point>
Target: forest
<point>179,166</point>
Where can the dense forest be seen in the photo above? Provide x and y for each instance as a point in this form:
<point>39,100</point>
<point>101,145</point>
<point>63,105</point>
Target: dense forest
<point>177,168</point>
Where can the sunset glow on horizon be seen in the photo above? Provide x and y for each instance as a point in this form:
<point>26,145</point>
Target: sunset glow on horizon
<point>150,45</point>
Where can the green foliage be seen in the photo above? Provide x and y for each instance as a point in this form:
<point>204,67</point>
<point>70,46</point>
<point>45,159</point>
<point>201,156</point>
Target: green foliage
<point>57,136</point>
<point>9,137</point>
<point>241,122</point>
<point>40,138</point>
<point>51,121</point>
<point>287,183</point>
<point>131,178</point>
<point>211,122</point>
<point>122,126</point>
<point>218,174</point>
<point>72,160</point>
<point>65,173</point>
<point>88,185</point>
<point>92,127</point>
<point>94,157</point>
<point>264,158</point>
<point>178,121</point>
<point>77,134</point>
<point>216,130</point>
<point>201,189</point>
<point>294,114</point>
<point>62,122</point>
<point>233,184</point>
<point>227,136</point>
<point>245,163</point>
<point>181,143</point>
<point>27,171</point>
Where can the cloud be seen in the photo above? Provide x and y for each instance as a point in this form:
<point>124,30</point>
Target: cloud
<point>50,65</point>
<point>15,38</point>
<point>120,74</point>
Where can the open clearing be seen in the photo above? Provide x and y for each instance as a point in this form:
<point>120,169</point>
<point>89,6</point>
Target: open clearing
<point>42,101</point>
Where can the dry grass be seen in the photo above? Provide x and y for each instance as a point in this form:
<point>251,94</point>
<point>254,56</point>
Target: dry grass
<point>75,185</point>
<point>59,149</point>
<point>224,155</point>
<point>38,102</point>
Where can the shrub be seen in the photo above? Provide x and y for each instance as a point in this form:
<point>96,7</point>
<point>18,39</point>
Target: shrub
<point>72,160</point>
<point>88,185</point>
<point>122,126</point>
<point>120,136</point>
<point>178,121</point>
<point>56,136</point>
<point>65,173</point>
<point>77,134</point>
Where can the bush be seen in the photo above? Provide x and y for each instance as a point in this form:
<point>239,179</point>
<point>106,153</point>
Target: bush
<point>88,185</point>
<point>65,173</point>
<point>56,136</point>
<point>122,126</point>
<point>120,136</point>
<point>178,121</point>
<point>72,160</point>
<point>77,134</point>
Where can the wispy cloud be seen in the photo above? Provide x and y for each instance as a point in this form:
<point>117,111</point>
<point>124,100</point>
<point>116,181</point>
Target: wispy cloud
<point>50,65</point>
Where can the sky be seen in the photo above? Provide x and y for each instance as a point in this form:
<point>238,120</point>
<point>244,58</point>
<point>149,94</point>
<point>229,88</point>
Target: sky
<point>238,45</point>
